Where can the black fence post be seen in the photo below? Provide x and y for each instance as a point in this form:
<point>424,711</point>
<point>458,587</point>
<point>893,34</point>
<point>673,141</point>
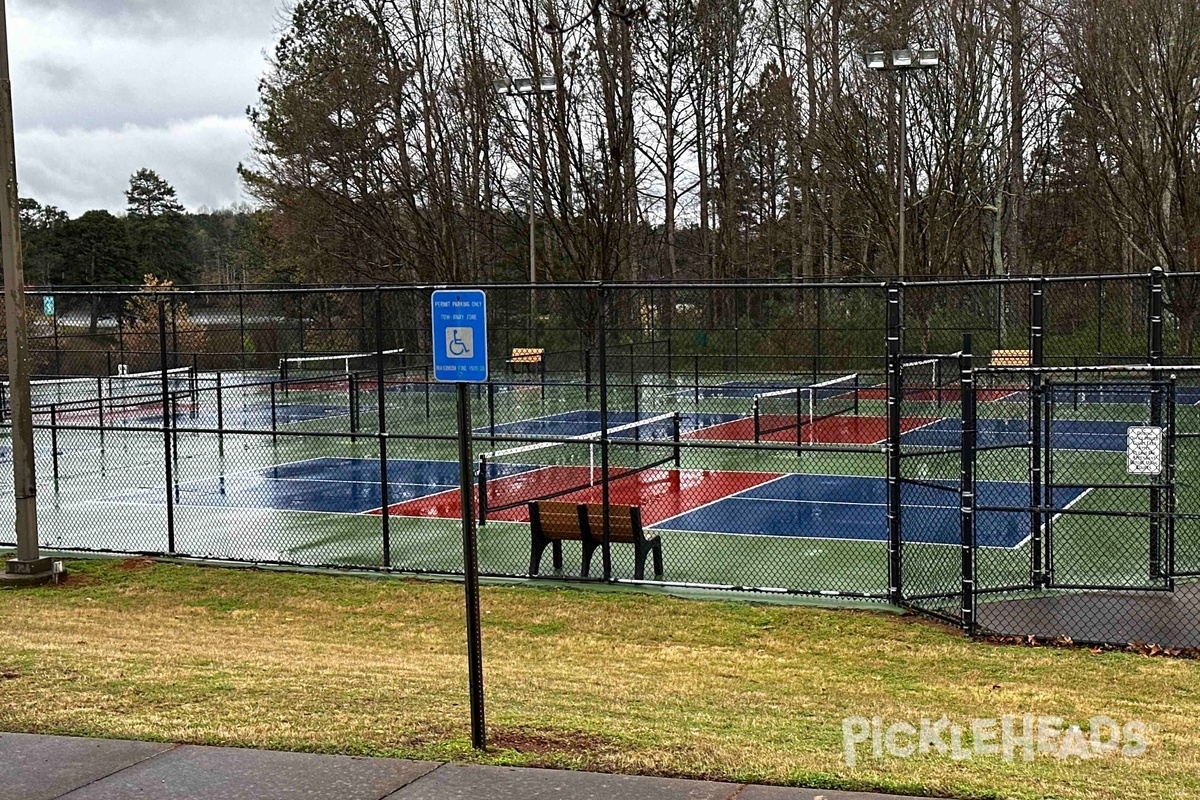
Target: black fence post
<point>220,418</point>
<point>895,394</point>
<point>1169,485</point>
<point>587,374</point>
<point>166,426</point>
<point>966,490</point>
<point>54,442</point>
<point>383,442</point>
<point>696,377</point>
<point>820,345</point>
<point>1037,544</point>
<point>604,493</point>
<point>1155,358</point>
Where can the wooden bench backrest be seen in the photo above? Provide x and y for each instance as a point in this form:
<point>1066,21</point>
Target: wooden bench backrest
<point>620,522</point>
<point>527,355</point>
<point>559,520</point>
<point>1011,358</point>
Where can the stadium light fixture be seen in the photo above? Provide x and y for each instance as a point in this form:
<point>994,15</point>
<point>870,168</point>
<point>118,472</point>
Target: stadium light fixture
<point>527,86</point>
<point>902,61</point>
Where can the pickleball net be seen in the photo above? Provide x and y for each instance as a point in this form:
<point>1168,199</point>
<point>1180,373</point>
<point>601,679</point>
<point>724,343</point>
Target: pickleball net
<point>545,470</point>
<point>802,407</point>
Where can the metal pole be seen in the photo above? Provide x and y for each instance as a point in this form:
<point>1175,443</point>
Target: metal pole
<point>894,397</point>
<point>532,228</point>
<point>1036,399</point>
<point>28,564</point>
<point>604,493</point>
<point>966,489</point>
<point>164,388</point>
<point>900,167</point>
<point>383,442</point>
<point>470,569</point>
<point>1156,416</point>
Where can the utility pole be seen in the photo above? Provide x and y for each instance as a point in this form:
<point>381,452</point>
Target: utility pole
<point>28,566</point>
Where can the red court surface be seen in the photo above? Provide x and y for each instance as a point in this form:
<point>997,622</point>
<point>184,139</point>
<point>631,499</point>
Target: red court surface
<point>661,493</point>
<point>842,429</point>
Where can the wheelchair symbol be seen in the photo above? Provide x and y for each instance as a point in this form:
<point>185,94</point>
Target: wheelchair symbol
<point>460,342</point>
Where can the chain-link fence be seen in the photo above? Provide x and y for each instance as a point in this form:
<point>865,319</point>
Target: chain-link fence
<point>957,447</point>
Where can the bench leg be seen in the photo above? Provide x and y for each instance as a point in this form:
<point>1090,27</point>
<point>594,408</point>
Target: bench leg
<point>589,548</point>
<point>556,551</point>
<point>658,559</point>
<point>537,548</point>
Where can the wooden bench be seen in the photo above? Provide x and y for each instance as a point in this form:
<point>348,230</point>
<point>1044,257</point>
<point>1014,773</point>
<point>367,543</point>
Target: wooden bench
<point>1012,358</point>
<point>526,356</point>
<point>552,523</point>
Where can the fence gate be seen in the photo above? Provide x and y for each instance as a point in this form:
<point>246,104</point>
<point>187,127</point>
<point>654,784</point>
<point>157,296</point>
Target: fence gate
<point>1074,491</point>
<point>1108,484</point>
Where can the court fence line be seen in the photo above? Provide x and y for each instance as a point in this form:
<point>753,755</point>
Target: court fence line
<point>858,440</point>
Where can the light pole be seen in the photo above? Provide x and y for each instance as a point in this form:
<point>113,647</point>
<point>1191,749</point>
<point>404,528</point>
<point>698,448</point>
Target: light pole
<point>527,87</point>
<point>902,62</point>
<point>29,566</point>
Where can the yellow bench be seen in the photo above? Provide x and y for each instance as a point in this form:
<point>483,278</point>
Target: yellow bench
<point>1012,358</point>
<point>527,355</point>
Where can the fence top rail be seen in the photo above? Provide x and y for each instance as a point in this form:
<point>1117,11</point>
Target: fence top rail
<point>1067,368</point>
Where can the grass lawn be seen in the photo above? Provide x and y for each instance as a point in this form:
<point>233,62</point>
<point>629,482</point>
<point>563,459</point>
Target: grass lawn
<point>576,679</point>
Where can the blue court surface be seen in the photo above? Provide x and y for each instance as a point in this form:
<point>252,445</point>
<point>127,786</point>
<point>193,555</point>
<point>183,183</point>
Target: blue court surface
<point>848,508</point>
<point>330,485</point>
<point>852,508</point>
<point>1094,435</point>
<point>584,422</point>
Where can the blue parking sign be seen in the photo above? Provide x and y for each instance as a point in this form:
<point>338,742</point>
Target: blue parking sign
<point>460,336</point>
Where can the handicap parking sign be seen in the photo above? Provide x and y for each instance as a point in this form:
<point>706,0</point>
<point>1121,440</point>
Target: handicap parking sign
<point>460,336</point>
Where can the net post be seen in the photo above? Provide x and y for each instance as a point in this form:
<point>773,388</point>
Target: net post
<point>637,414</point>
<point>274,416</point>
<point>194,379</point>
<point>696,377</point>
<point>670,377</point>
<point>491,404</point>
<point>352,399</point>
<point>220,418</point>
<point>894,397</point>
<point>54,442</point>
<point>1037,543</point>
<point>675,438</point>
<point>587,373</point>
<point>757,414</point>
<point>166,430</point>
<point>100,409</point>
<point>380,400</point>
<point>427,400</point>
<point>800,416</point>
<point>284,373</point>
<point>542,369</point>
<point>108,362</point>
<point>482,480</point>
<point>966,489</point>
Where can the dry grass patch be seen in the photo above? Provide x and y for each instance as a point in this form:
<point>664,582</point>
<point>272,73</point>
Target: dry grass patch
<point>578,679</point>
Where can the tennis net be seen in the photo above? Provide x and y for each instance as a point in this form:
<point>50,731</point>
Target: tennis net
<point>72,393</point>
<point>803,406</point>
<point>544,470</point>
<point>338,366</point>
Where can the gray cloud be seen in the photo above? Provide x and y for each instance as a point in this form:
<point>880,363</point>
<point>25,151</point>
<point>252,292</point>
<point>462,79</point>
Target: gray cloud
<point>103,87</point>
<point>224,18</point>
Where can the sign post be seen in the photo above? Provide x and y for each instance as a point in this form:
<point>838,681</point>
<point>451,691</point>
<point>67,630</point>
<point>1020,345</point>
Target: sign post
<point>460,357</point>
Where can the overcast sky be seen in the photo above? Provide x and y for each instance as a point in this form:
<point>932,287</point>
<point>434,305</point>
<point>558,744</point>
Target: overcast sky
<point>102,88</point>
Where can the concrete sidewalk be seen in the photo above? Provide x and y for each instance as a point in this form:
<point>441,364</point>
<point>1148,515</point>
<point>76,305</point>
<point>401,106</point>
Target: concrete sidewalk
<point>52,767</point>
